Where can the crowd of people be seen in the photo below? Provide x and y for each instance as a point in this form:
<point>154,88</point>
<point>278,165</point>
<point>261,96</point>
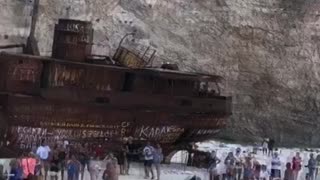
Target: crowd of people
<point>71,161</point>
<point>244,165</point>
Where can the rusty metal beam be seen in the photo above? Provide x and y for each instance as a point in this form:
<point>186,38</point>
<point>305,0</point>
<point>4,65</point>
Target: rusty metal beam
<point>32,44</point>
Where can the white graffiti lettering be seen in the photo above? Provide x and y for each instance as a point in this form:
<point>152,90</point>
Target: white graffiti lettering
<point>158,132</point>
<point>24,72</point>
<point>207,131</point>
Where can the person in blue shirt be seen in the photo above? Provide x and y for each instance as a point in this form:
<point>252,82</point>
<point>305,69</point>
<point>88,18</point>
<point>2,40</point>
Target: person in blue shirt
<point>16,170</point>
<point>74,167</point>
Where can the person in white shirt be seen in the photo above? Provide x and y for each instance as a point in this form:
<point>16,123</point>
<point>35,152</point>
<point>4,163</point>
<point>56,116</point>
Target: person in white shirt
<point>43,152</point>
<point>148,152</point>
<point>264,174</point>
<point>275,167</point>
<point>239,163</point>
<point>95,166</point>
<point>265,147</point>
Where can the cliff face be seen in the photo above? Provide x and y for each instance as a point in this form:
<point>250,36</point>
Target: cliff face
<point>268,51</point>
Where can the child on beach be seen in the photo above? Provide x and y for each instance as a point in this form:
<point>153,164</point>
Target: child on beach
<point>288,173</point>
<point>248,168</point>
<point>264,174</point>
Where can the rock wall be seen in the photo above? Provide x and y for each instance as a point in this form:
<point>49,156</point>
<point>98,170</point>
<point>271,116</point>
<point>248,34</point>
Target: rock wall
<point>268,51</point>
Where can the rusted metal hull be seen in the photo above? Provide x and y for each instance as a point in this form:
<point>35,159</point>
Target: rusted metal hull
<point>29,119</point>
<point>59,100</point>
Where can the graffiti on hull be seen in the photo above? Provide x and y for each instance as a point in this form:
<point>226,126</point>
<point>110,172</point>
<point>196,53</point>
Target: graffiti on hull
<point>163,134</point>
<point>24,71</point>
<point>206,131</point>
<point>29,137</point>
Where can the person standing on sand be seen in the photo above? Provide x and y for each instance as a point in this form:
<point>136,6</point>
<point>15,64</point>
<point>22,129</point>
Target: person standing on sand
<point>248,168</point>
<point>230,162</point>
<point>275,167</point>
<point>37,170</point>
<point>157,159</point>
<point>83,157</point>
<point>238,167</point>
<point>16,171</point>
<point>94,168</point>
<point>28,163</point>
<point>213,162</point>
<point>148,160</point>
<point>256,169</point>
<point>312,165</point>
<point>111,172</point>
<point>271,143</point>
<point>122,159</point>
<point>318,165</point>
<point>99,152</point>
<point>54,167</point>
<point>296,165</point>
<point>43,153</point>
<point>74,167</point>
<point>264,174</point>
<point>265,147</point>
<point>288,174</point>
<point>131,153</point>
<point>62,154</point>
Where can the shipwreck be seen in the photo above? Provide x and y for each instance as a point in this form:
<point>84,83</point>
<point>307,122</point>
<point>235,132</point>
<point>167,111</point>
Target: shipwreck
<point>80,97</point>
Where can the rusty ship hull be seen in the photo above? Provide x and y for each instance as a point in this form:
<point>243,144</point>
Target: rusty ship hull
<point>44,97</point>
<point>69,97</point>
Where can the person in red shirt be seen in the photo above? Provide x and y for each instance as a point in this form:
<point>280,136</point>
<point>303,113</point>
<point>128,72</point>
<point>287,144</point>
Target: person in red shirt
<point>296,165</point>
<point>28,164</point>
<point>99,151</point>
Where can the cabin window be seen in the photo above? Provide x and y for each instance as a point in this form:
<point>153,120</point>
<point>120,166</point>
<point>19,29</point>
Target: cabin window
<point>208,89</point>
<point>128,82</point>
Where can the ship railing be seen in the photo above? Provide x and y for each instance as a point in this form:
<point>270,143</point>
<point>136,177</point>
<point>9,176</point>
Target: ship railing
<point>145,53</point>
<point>135,55</point>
